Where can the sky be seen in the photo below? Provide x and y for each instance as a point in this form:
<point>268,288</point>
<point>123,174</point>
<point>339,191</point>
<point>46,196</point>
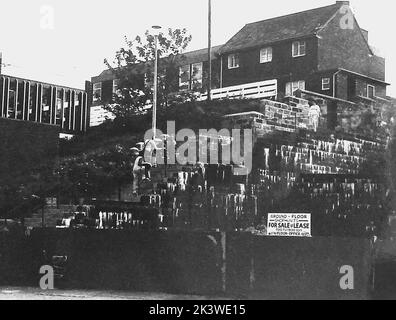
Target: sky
<point>65,41</point>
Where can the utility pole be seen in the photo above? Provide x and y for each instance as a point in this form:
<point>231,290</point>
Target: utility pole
<point>155,88</point>
<point>154,120</point>
<point>209,49</point>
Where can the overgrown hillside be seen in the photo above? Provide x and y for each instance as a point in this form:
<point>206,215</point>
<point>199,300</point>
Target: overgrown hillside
<point>99,162</point>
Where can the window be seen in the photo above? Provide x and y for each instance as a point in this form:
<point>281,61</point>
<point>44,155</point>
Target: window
<point>58,112</point>
<point>32,97</point>
<point>77,99</point>
<point>190,76</point>
<point>291,87</point>
<point>11,103</point>
<point>325,83</point>
<point>20,106</point>
<point>233,61</point>
<point>266,55</point>
<point>370,91</point>
<point>184,77</point>
<point>298,48</point>
<point>97,92</point>
<point>196,77</point>
<point>116,83</point>
<point>46,103</point>
<point>66,113</point>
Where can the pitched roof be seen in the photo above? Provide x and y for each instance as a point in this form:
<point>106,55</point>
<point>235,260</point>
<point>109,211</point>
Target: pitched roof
<point>190,57</point>
<point>200,55</point>
<point>296,25</point>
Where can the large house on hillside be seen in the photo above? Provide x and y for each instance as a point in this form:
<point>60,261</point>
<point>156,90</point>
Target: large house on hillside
<point>309,50</point>
<point>322,51</point>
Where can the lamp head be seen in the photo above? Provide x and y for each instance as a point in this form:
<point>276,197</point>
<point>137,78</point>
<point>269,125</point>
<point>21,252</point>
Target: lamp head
<point>156,30</point>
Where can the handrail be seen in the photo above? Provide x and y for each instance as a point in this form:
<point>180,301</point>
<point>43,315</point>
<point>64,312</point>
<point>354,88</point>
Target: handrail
<point>254,90</point>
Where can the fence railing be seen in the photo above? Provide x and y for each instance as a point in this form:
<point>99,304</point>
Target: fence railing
<point>255,90</point>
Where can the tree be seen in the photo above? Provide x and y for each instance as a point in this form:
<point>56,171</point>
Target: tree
<point>95,174</point>
<point>134,70</point>
<point>23,191</point>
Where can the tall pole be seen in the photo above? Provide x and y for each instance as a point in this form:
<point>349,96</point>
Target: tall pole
<point>209,49</point>
<point>155,86</point>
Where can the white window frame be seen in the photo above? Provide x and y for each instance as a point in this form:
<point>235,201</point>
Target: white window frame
<point>291,87</point>
<point>300,45</point>
<point>116,83</point>
<point>233,61</point>
<point>368,91</point>
<point>266,55</point>
<point>326,84</point>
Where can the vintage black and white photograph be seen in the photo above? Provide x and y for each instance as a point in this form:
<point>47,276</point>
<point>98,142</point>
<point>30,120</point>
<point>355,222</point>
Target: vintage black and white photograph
<point>211,151</point>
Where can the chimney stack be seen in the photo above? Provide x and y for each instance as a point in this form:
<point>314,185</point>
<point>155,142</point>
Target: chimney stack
<point>345,3</point>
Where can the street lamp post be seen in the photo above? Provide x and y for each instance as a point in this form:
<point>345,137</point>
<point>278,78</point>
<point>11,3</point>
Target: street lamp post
<point>209,49</point>
<point>156,30</point>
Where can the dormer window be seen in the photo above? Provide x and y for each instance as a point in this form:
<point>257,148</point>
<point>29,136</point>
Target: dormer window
<point>298,49</point>
<point>233,61</point>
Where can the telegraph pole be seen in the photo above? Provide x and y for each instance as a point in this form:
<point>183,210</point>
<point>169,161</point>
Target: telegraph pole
<point>209,49</point>
<point>155,87</point>
<point>156,30</point>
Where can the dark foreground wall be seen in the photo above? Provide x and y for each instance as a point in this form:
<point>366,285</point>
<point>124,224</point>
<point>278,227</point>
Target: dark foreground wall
<point>16,256</point>
<point>28,151</point>
<point>24,145</point>
<point>175,262</point>
<point>196,263</point>
<point>297,268</point>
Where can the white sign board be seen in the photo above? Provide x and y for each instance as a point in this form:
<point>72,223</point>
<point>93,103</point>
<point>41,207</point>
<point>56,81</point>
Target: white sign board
<point>289,224</point>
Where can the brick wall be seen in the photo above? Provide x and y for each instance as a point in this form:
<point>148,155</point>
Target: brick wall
<point>314,83</point>
<point>342,86</point>
<point>283,66</point>
<point>348,49</point>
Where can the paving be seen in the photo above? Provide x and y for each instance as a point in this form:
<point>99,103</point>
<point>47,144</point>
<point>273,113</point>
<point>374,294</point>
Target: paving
<point>19,293</point>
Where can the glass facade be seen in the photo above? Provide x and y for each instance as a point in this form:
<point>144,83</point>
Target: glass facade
<point>27,100</point>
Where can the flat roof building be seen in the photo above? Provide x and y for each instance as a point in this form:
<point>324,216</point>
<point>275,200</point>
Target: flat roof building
<point>35,101</point>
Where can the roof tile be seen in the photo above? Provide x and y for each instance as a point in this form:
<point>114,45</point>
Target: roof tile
<point>296,25</point>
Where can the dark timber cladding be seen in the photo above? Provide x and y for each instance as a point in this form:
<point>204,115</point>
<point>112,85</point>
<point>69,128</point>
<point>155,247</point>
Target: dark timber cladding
<point>29,100</point>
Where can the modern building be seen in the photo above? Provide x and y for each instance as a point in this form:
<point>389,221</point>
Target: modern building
<point>35,101</point>
<point>322,51</point>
